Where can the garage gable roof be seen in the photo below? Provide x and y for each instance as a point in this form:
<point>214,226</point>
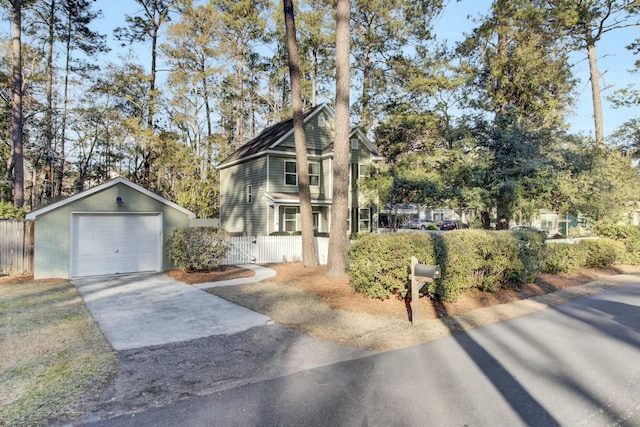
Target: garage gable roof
<point>31,216</point>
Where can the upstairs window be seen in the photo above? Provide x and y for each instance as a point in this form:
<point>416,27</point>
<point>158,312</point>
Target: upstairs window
<point>354,143</point>
<point>249,194</point>
<point>290,173</point>
<point>321,122</point>
<point>314,174</point>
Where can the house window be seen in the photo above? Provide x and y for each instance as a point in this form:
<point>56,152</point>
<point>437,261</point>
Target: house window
<point>290,219</point>
<point>316,220</point>
<point>249,194</point>
<point>314,174</point>
<point>362,171</point>
<point>320,121</point>
<point>290,173</point>
<point>354,143</point>
<point>364,215</point>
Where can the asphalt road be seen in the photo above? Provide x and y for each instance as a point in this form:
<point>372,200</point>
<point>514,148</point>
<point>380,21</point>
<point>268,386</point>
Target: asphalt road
<point>575,364</point>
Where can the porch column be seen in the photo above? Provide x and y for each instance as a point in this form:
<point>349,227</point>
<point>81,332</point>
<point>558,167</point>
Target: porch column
<point>276,217</point>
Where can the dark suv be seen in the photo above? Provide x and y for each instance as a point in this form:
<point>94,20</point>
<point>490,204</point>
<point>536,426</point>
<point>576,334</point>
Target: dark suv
<point>448,225</point>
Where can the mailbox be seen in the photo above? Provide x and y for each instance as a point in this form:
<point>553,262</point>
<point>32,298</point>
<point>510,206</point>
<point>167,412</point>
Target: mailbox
<point>426,271</point>
<point>420,273</point>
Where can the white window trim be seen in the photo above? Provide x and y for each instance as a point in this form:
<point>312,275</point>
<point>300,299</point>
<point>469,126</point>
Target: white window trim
<point>316,174</point>
<point>285,221</point>
<point>366,221</point>
<point>362,171</point>
<point>354,143</point>
<point>290,173</point>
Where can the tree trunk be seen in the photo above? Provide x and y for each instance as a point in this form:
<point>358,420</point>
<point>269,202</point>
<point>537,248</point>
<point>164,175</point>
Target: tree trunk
<point>340,206</point>
<point>239,134</point>
<point>65,106</point>
<point>16,107</point>
<point>309,256</point>
<point>314,81</point>
<point>486,220</point>
<point>49,146</point>
<point>594,76</point>
<point>149,155</point>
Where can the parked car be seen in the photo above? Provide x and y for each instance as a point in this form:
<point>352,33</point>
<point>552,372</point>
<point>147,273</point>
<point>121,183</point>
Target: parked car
<point>448,225</point>
<point>420,224</point>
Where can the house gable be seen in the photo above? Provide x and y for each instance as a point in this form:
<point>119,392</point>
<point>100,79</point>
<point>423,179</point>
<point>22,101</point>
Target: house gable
<point>267,164</point>
<point>278,137</point>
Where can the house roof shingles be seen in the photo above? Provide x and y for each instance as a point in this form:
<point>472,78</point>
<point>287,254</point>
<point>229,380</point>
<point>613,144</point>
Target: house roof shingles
<point>266,138</point>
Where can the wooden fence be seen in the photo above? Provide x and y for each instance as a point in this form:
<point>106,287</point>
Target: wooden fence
<point>16,247</point>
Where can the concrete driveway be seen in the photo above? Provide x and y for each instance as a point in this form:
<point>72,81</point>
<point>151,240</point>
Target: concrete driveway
<point>141,310</point>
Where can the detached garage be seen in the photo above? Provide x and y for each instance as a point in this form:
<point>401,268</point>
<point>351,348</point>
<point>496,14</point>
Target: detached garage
<point>115,228</point>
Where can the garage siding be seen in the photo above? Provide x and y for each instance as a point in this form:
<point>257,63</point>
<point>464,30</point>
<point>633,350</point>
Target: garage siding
<point>53,228</point>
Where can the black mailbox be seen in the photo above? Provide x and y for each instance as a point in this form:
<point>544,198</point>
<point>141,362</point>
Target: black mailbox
<point>427,271</point>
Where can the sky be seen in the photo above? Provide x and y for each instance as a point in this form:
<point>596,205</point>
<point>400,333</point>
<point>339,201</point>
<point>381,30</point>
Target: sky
<point>456,21</point>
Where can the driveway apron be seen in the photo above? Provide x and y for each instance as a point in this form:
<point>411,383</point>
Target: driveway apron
<point>141,310</point>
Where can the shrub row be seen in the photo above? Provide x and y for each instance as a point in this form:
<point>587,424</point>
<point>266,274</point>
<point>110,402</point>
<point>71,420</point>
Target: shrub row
<point>379,265</point>
<point>197,248</point>
<point>567,258</point>
<point>629,235</point>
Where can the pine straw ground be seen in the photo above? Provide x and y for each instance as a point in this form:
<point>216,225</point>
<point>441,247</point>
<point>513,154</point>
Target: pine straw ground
<point>327,308</point>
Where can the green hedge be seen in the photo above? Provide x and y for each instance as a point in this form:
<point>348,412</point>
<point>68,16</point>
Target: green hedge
<point>379,264</point>
<point>564,258</point>
<point>603,252</point>
<point>197,248</point>
<point>629,235</point>
<point>596,253</point>
<point>486,260</point>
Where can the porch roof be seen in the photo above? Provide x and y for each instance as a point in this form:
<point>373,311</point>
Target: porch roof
<point>294,199</point>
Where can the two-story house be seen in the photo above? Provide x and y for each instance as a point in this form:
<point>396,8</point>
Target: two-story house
<point>259,181</point>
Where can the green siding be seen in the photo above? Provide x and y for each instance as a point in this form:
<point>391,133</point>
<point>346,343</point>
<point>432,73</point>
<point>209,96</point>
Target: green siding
<point>53,229</point>
<point>318,138</point>
<point>236,215</point>
<point>258,218</point>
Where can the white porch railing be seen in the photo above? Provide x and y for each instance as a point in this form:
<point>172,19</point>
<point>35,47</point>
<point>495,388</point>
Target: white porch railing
<point>266,249</point>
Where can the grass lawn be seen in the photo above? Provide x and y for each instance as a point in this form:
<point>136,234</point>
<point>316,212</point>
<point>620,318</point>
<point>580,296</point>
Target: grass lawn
<point>52,353</point>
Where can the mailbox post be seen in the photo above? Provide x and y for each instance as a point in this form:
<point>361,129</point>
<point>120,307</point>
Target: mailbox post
<point>420,273</point>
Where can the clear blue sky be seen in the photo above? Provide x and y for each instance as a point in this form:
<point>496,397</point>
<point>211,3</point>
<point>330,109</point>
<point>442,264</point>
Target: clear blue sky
<point>458,20</point>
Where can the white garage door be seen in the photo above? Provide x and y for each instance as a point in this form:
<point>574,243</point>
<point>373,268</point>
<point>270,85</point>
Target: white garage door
<point>115,243</point>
